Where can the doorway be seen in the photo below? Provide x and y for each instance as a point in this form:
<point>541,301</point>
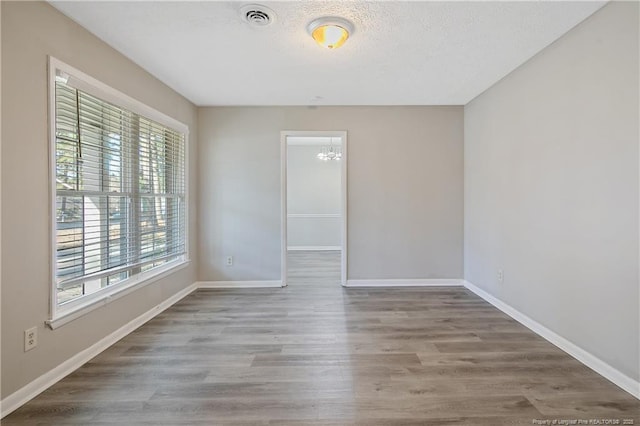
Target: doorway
<point>314,204</point>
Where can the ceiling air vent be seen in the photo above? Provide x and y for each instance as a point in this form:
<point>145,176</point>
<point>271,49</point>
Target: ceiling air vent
<point>257,15</point>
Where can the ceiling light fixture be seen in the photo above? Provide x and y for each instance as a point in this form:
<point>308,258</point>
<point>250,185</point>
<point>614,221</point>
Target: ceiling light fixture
<point>329,152</point>
<point>330,32</point>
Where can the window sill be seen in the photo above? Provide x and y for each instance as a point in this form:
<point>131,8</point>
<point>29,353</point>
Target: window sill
<point>103,299</point>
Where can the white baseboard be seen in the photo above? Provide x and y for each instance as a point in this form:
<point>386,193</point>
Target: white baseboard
<point>239,284</point>
<point>429,282</point>
<point>42,383</point>
<point>596,364</point>
<point>313,248</point>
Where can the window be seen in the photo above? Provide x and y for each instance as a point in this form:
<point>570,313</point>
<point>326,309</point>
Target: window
<point>119,177</point>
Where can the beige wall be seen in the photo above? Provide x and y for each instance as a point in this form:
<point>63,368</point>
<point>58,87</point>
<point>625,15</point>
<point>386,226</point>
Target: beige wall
<point>30,32</point>
<point>551,187</point>
<point>404,189</point>
<point>314,187</point>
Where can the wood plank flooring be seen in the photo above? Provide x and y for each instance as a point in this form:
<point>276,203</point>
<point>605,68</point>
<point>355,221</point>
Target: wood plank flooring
<point>317,354</point>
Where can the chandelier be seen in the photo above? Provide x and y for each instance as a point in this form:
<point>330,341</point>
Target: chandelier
<point>330,153</point>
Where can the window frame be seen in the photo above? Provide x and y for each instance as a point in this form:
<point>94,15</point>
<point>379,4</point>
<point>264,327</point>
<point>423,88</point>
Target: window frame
<point>61,314</point>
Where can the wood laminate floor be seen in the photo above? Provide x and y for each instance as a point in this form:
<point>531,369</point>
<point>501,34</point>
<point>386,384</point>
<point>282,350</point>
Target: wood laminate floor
<point>317,354</point>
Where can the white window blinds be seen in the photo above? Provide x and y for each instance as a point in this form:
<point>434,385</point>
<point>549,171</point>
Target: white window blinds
<point>120,194</point>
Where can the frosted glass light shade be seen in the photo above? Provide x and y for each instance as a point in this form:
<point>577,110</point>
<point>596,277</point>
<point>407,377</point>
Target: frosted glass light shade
<point>330,32</point>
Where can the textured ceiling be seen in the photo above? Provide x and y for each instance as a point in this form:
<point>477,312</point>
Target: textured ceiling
<point>401,53</point>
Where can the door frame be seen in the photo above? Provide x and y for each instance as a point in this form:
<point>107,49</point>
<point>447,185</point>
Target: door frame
<point>283,196</point>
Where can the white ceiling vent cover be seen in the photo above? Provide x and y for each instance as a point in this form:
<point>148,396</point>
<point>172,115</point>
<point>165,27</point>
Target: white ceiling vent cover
<point>257,15</point>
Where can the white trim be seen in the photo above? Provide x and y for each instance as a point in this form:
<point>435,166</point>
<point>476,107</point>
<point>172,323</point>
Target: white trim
<point>401,282</point>
<point>283,196</point>
<point>99,299</point>
<point>596,364</point>
<point>314,248</point>
<point>62,314</point>
<point>239,284</point>
<point>45,381</point>
<point>283,208</point>
<point>313,215</point>
<point>42,383</point>
<point>343,209</point>
<point>51,96</point>
<point>86,83</point>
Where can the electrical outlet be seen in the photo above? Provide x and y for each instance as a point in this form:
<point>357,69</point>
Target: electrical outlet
<point>30,338</point>
<point>229,260</point>
<point>500,276</point>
